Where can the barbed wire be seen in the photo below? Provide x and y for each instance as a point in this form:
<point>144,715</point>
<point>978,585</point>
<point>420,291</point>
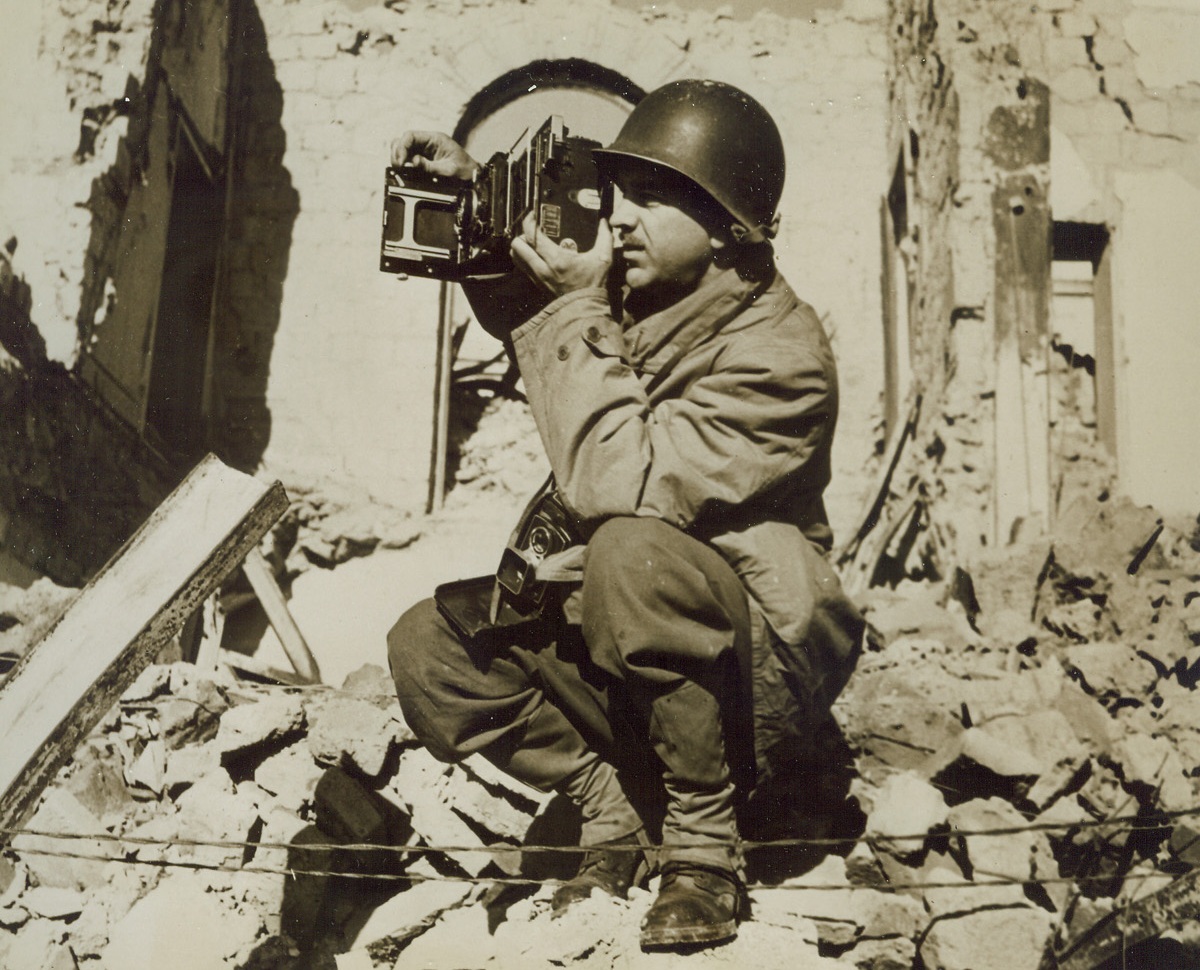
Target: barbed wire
<point>1122,823</point>
<point>296,872</point>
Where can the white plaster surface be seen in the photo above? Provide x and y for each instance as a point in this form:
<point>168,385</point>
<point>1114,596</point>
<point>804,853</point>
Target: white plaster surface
<point>1166,42</point>
<point>1157,291</point>
<point>1073,193</point>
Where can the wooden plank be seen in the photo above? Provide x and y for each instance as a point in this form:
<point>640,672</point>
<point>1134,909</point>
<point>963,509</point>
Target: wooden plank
<point>250,666</point>
<point>67,681</point>
<point>1146,918</point>
<point>1021,217</point>
<point>280,617</point>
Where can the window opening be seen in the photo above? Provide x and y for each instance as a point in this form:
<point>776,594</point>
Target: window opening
<point>1081,364</point>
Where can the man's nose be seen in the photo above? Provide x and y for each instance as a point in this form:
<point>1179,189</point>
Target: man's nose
<point>624,214</point>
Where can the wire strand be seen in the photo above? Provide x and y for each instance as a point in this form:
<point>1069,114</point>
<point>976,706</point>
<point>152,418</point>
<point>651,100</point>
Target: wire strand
<point>297,873</point>
<point>1125,823</point>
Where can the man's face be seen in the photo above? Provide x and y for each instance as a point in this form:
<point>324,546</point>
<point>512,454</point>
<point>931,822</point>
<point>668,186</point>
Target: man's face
<point>667,248</point>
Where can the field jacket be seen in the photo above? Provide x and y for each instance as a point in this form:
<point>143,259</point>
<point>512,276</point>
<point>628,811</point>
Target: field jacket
<point>732,445</point>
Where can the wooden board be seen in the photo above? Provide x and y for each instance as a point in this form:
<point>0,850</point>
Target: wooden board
<point>67,681</point>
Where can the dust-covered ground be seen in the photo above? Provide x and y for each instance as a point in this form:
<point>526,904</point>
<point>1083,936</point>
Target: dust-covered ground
<point>1016,768</point>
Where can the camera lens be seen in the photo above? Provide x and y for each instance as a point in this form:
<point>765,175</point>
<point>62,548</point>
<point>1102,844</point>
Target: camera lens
<point>539,540</point>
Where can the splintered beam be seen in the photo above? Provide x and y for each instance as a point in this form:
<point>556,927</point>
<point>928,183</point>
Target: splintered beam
<point>114,628</point>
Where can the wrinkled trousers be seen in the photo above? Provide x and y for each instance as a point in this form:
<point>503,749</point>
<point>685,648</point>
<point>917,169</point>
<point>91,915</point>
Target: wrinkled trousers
<point>653,681</point>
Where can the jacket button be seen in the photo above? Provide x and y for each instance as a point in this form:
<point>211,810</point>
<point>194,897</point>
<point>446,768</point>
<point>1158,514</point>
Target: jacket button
<point>593,334</point>
<point>563,353</point>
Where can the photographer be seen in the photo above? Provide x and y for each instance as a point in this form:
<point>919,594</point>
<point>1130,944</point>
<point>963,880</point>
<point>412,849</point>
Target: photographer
<point>701,635</point>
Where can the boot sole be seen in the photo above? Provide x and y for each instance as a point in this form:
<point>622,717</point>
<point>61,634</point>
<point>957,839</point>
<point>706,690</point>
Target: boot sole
<point>687,935</point>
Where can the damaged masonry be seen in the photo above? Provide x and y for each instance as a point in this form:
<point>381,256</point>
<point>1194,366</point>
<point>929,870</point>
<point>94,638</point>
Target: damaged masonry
<point>994,207</point>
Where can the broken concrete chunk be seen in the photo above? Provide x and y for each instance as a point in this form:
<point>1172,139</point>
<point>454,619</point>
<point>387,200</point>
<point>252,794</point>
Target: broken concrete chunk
<point>897,953</point>
<point>98,781</point>
<point>1151,765</point>
<point>1110,671</point>
<point>60,811</point>
<point>505,817</point>
<point>53,903</point>
<point>994,939</point>
<point>347,811</point>
<point>1027,744</point>
<point>422,787</point>
<point>193,715</point>
<point>251,726</point>
<point>212,810</point>
<point>407,914</point>
<point>179,925</point>
<point>351,732</point>
<point>370,680</point>
<point>458,939</point>
<point>188,765</point>
<point>291,775</point>
<point>148,770</point>
<point>1023,855</point>
<point>525,798</point>
<point>39,946</point>
<point>1070,772</point>
<point>906,804</point>
<point>841,917</point>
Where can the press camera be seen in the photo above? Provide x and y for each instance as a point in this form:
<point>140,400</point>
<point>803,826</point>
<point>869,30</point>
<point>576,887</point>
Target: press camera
<point>455,229</point>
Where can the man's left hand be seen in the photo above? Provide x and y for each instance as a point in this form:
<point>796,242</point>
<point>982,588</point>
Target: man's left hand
<point>562,268</point>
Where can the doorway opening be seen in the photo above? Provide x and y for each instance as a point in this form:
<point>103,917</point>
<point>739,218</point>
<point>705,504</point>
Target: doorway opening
<point>175,417</point>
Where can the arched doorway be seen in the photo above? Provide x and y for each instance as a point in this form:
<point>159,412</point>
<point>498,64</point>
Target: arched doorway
<point>472,367</point>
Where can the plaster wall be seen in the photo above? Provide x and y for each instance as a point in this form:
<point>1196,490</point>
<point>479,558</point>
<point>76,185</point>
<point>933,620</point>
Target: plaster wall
<point>350,389</point>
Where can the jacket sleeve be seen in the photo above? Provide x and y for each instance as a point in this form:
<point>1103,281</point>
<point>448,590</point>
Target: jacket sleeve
<point>753,419</point>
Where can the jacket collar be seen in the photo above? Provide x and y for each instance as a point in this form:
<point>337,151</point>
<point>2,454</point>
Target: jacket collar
<point>656,339</point>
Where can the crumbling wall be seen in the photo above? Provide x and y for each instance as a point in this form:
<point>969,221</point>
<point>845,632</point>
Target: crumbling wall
<point>1011,114</point>
<point>74,480</point>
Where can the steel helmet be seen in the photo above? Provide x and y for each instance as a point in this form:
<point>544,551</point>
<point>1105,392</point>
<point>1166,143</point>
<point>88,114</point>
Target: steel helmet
<point>718,137</point>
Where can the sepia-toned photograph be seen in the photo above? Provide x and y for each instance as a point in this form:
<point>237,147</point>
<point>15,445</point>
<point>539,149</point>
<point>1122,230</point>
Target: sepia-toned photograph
<point>599,485</point>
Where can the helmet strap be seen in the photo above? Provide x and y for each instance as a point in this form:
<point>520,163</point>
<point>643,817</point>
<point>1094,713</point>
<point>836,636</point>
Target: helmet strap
<point>757,234</point>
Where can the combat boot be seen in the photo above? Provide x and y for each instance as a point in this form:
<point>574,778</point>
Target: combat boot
<point>696,904</point>
<point>611,870</point>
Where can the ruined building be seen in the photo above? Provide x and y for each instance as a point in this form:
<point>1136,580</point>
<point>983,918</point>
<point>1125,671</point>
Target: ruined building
<point>991,204</point>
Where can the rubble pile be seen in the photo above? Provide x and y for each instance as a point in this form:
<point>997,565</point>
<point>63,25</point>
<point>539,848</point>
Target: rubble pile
<point>1026,746</point>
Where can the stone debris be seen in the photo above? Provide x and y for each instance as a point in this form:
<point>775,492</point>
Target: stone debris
<point>997,773</point>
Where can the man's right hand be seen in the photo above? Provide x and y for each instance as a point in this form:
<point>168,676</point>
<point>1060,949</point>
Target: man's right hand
<point>433,152</point>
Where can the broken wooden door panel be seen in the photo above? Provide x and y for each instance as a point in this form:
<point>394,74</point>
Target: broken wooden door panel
<point>1022,225</point>
<point>67,681</point>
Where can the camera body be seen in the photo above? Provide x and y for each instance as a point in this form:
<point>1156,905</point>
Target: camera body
<point>455,229</point>
<point>545,529</point>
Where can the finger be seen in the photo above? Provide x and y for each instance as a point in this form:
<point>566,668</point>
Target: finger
<point>528,260</point>
<point>569,244</point>
<point>401,147</point>
<point>529,228</point>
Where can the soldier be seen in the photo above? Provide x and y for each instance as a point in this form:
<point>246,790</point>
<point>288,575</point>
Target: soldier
<point>703,635</point>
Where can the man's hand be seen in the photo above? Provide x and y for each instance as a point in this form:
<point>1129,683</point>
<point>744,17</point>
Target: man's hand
<point>562,269</point>
<point>433,152</point>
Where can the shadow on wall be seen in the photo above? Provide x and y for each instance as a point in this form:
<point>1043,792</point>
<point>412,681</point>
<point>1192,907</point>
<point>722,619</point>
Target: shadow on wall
<point>262,213</point>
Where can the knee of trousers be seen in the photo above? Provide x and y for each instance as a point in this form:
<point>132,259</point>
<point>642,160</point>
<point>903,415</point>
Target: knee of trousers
<point>415,645</point>
<point>653,594</point>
